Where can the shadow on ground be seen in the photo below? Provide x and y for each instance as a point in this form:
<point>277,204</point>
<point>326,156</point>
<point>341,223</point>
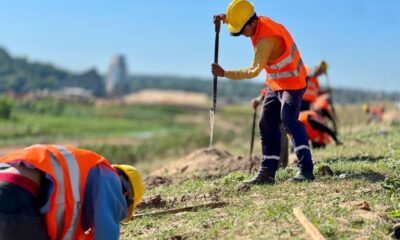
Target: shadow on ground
<point>357,158</point>
<point>367,176</point>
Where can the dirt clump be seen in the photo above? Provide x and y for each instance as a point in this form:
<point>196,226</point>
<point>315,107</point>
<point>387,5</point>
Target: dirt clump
<point>204,163</point>
<point>363,205</point>
<point>207,197</point>
<point>153,181</point>
<point>157,201</point>
<point>243,188</point>
<point>152,202</point>
<point>325,171</point>
<point>177,237</point>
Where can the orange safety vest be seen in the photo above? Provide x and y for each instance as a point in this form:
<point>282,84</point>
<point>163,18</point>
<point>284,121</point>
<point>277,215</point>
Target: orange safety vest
<point>288,72</point>
<point>377,112</point>
<point>322,103</point>
<point>312,90</point>
<point>313,134</point>
<point>68,168</point>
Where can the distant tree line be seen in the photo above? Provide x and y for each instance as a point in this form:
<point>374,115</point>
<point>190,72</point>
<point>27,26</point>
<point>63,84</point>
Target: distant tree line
<point>341,95</point>
<point>229,90</point>
<point>21,76</point>
<point>245,90</point>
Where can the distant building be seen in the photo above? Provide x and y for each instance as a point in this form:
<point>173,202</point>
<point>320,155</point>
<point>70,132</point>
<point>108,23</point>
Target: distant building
<point>67,94</point>
<point>74,94</point>
<point>116,80</point>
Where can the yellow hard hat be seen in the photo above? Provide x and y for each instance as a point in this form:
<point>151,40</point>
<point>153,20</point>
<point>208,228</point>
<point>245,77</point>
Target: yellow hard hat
<point>365,107</point>
<point>324,66</point>
<point>136,183</point>
<point>237,14</point>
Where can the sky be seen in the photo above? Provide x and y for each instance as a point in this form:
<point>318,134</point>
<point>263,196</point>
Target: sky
<point>358,38</point>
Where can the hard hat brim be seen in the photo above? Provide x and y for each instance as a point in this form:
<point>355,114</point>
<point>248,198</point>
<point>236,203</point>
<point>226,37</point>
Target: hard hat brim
<point>233,29</point>
<point>136,182</point>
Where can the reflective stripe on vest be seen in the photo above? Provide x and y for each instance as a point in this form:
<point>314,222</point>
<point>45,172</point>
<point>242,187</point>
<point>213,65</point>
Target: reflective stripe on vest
<point>74,176</point>
<point>310,95</point>
<point>67,169</point>
<point>285,61</point>
<point>287,74</point>
<point>60,198</point>
<point>312,90</point>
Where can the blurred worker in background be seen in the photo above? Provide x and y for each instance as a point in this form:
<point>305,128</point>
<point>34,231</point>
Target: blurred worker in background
<point>313,89</point>
<point>323,104</point>
<point>277,53</point>
<point>375,113</point>
<point>57,192</point>
<point>317,130</point>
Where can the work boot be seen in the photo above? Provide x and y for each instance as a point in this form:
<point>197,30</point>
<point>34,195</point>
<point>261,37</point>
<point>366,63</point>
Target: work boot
<point>303,176</point>
<point>262,178</point>
<point>396,231</point>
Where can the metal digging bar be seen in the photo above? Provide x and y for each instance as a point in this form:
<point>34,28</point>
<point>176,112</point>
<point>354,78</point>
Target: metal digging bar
<point>217,22</point>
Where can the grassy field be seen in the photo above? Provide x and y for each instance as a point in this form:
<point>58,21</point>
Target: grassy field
<point>360,201</point>
<point>86,121</point>
<point>366,171</point>
<point>138,134</point>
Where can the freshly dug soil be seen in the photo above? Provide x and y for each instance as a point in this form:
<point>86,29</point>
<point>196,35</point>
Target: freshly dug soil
<point>203,163</point>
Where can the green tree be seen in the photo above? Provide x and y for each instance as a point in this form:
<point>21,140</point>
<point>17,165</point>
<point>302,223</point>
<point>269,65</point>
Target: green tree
<point>5,108</point>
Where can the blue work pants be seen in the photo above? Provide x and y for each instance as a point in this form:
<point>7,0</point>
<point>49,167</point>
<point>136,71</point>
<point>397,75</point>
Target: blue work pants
<point>283,107</point>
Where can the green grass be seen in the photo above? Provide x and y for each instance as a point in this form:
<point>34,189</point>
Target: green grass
<point>266,212</point>
<point>367,168</point>
<point>86,121</point>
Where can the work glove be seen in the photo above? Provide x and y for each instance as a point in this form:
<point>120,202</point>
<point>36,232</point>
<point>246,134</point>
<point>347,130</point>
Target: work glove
<point>220,17</point>
<point>256,102</point>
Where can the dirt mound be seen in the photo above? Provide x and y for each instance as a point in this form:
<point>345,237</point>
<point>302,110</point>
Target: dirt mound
<point>158,201</point>
<point>203,163</point>
<point>391,116</point>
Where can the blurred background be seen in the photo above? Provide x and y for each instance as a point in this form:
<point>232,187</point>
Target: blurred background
<point>131,79</point>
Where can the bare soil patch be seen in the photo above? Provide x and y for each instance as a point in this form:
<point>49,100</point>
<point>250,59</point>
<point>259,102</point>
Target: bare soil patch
<point>203,163</point>
<point>168,97</point>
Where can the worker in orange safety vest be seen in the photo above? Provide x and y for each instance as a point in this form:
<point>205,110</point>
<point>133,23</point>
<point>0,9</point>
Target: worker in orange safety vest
<point>58,192</point>
<point>324,105</point>
<point>317,130</point>
<point>277,53</point>
<point>313,89</point>
<point>375,113</point>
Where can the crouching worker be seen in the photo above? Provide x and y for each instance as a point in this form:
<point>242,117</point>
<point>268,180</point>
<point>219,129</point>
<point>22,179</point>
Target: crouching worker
<point>57,192</point>
<point>324,105</point>
<point>317,130</point>
<point>375,113</point>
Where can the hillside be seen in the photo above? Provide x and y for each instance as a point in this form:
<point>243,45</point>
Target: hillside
<point>21,76</point>
<point>235,91</point>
